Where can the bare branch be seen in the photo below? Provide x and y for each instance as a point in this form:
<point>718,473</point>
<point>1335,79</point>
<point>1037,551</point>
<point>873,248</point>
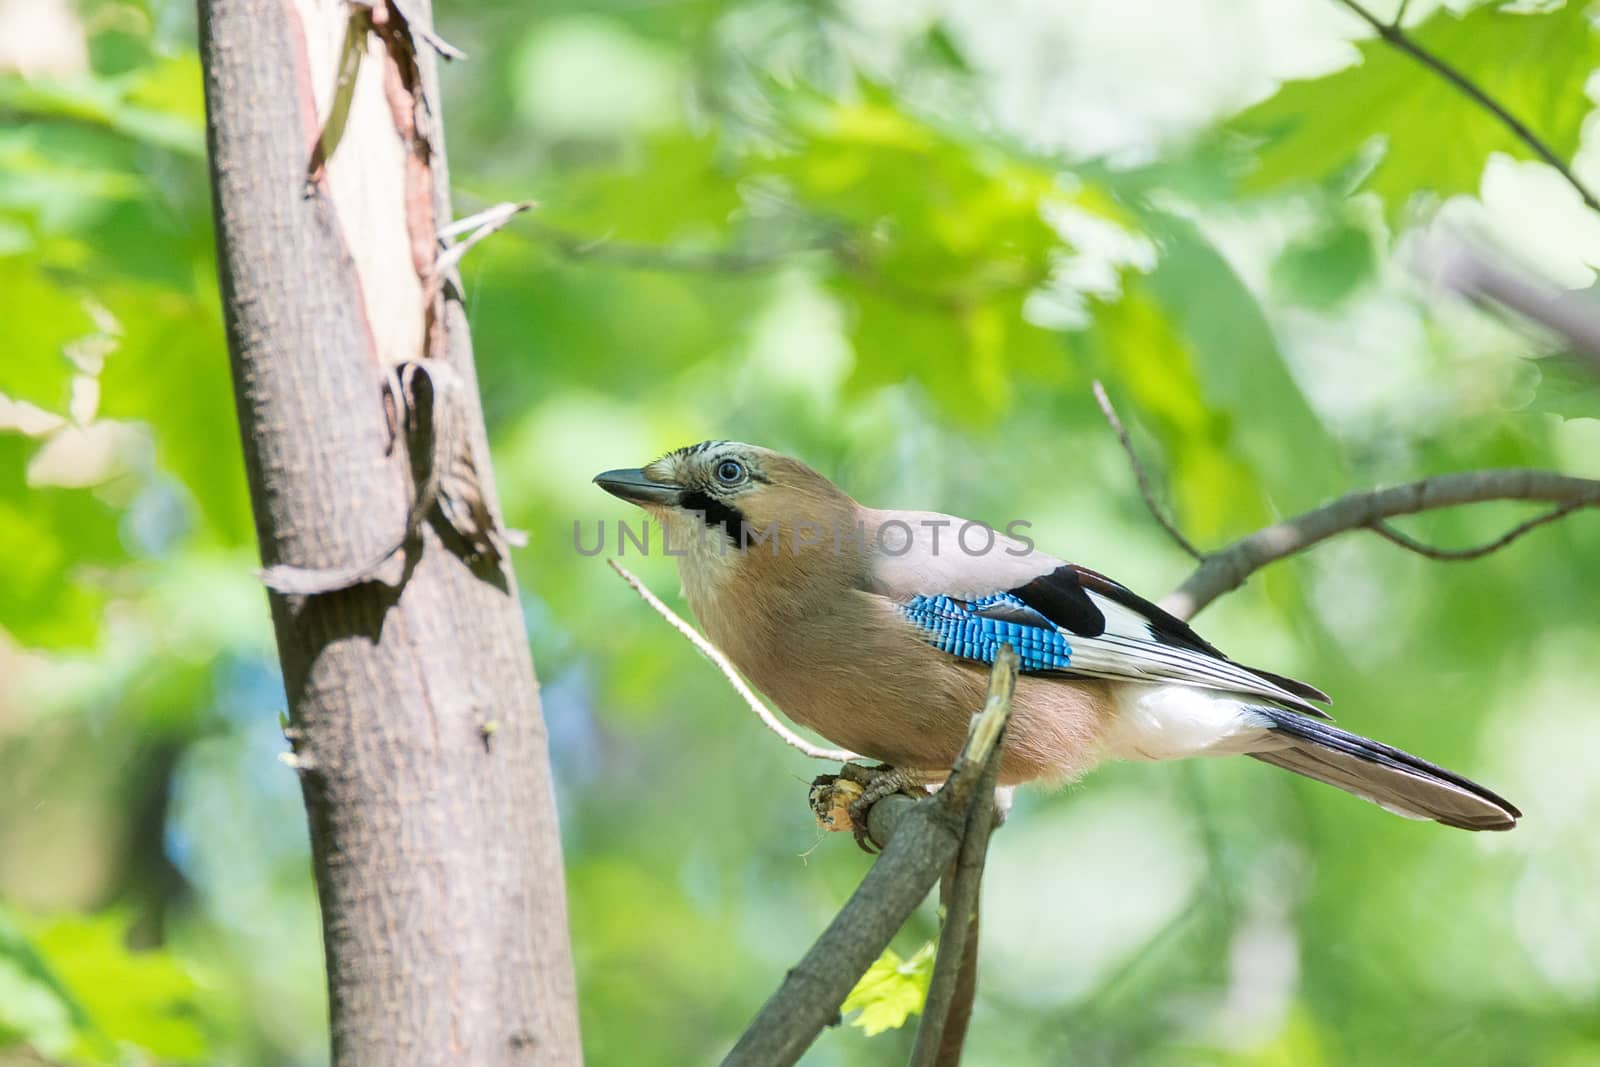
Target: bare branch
<point>1139,473</point>
<point>1393,34</point>
<point>925,839</point>
<point>1458,265</point>
<point>1406,541</point>
<point>948,1007</point>
<point>1224,571</point>
<point>712,653</point>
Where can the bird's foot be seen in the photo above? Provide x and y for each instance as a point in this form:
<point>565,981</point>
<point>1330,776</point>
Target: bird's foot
<point>873,784</point>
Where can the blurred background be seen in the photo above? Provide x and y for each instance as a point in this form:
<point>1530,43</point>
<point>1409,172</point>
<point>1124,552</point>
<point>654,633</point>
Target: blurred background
<point>899,240</point>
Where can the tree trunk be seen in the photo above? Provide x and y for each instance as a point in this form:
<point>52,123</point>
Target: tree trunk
<point>414,708</point>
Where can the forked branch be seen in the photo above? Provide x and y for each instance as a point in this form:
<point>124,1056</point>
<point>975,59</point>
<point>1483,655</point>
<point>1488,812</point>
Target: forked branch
<point>1367,509</point>
<point>921,846</point>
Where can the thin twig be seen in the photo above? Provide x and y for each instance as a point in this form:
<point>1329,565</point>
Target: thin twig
<point>926,838</point>
<point>712,653</point>
<point>1227,569</point>
<point>1400,14</point>
<point>476,227</point>
<point>686,260</point>
<point>492,217</point>
<point>1145,489</point>
<point>1394,35</point>
<point>948,1006</point>
<point>1406,541</point>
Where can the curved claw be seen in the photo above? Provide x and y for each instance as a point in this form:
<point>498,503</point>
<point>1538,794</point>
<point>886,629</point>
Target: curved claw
<point>876,782</point>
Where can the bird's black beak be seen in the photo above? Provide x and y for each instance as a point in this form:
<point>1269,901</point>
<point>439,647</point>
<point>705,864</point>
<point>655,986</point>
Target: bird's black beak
<point>632,485</point>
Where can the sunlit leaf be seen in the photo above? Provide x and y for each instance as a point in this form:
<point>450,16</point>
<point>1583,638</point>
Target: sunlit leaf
<point>955,218</point>
<point>52,540</point>
<point>1435,138</point>
<point>891,991</point>
<point>146,999</point>
<point>671,187</point>
<point>195,431</point>
<point>122,105</point>
<point>35,367</point>
<point>1239,367</point>
<point>35,1006</point>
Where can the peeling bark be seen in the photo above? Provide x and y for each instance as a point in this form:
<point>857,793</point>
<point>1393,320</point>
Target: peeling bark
<point>437,859</point>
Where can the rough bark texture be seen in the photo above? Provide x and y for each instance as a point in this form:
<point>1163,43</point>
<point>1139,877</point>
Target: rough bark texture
<point>415,711</point>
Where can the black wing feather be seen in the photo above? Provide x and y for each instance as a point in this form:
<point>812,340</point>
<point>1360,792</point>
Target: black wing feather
<point>1164,626</point>
<point>1169,629</point>
<point>1062,597</point>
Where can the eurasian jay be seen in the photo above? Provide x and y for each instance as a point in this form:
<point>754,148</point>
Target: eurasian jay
<point>876,629</point>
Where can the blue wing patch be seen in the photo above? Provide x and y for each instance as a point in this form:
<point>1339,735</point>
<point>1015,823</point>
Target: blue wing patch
<point>961,628</point>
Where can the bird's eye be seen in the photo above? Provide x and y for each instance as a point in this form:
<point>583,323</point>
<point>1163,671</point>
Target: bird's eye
<point>729,471</point>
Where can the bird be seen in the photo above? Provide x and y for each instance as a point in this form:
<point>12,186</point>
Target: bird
<point>877,629</point>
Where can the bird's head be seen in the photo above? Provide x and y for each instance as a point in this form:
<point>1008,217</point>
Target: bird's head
<point>725,493</point>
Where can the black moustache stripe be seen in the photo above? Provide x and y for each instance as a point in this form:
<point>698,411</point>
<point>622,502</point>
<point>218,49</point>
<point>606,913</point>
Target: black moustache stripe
<point>716,512</point>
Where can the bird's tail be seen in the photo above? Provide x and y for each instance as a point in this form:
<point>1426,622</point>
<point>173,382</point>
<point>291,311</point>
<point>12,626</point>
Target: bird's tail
<point>1396,781</point>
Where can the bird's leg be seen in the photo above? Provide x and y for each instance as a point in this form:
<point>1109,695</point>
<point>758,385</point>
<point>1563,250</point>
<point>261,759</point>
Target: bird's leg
<point>876,783</point>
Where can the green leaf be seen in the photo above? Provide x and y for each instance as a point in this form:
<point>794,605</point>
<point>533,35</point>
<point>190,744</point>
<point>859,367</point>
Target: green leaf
<point>892,990</point>
<point>146,999</point>
<point>1150,367</point>
<point>35,367</point>
<point>944,234</point>
<point>35,1007</point>
<point>940,47</point>
<point>1436,138</point>
<point>159,106</point>
<point>1568,386</point>
<point>54,540</point>
<point>950,216</point>
<point>966,358</point>
<point>676,187</point>
<point>179,337</point>
<point>1238,365</point>
<point>1328,265</point>
<point>30,1013</point>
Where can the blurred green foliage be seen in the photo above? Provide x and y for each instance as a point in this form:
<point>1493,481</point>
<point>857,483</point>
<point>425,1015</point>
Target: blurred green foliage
<point>857,232</point>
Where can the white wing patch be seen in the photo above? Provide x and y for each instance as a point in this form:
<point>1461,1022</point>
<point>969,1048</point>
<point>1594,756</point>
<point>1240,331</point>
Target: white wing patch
<point>1127,650</point>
